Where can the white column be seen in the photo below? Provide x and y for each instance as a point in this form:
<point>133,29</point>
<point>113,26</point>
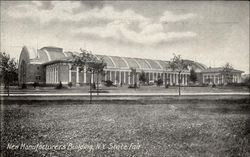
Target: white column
<point>170,79</point>
<point>124,77</point>
<point>84,75</point>
<point>54,71</point>
<point>174,77</point>
<point>115,78</point>
<point>182,79</point>
<point>214,79</point>
<point>110,75</point>
<point>77,74</point>
<point>48,74</point>
<point>51,74</point>
<point>186,76</point>
<point>69,73</point>
<point>105,77</point>
<point>129,77</point>
<point>177,78</point>
<point>133,79</point>
<point>163,78</point>
<point>92,77</point>
<point>56,74</point>
<point>120,77</point>
<point>167,77</point>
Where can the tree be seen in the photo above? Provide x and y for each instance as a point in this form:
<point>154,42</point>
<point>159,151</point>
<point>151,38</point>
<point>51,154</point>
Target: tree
<point>93,65</point>
<point>227,73</point>
<point>134,75</point>
<point>193,75</point>
<point>177,64</point>
<point>8,68</point>
<point>142,77</point>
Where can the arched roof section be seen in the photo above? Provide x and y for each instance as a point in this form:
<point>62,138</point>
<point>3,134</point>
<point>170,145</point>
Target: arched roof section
<point>68,53</point>
<point>131,62</point>
<point>119,62</point>
<point>196,65</point>
<point>54,52</point>
<point>107,60</point>
<point>164,64</point>
<point>32,52</point>
<point>43,57</point>
<point>202,66</point>
<point>143,63</point>
<point>153,64</point>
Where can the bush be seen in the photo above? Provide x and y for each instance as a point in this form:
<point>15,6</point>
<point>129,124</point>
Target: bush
<point>133,86</point>
<point>93,86</point>
<point>59,86</point>
<point>70,84</point>
<point>167,86</point>
<point>109,83</point>
<point>24,86</point>
<point>213,85</point>
<point>159,82</point>
<point>35,84</point>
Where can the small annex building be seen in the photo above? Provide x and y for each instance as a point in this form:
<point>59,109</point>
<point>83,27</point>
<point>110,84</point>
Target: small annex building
<point>217,76</point>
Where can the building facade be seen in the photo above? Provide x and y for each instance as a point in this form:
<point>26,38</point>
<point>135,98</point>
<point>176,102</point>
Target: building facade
<point>51,65</point>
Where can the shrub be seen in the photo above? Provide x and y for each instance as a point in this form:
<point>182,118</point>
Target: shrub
<point>35,84</point>
<point>24,86</point>
<point>108,83</point>
<point>131,86</point>
<point>167,86</point>
<point>93,86</point>
<point>59,86</point>
<point>70,84</point>
<point>159,82</point>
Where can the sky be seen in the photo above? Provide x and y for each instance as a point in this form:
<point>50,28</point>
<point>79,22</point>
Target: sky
<point>209,32</point>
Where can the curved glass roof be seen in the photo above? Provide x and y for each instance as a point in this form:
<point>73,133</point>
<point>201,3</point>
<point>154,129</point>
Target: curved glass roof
<point>164,64</point>
<point>119,62</point>
<point>48,54</point>
<point>107,60</point>
<point>153,64</point>
<point>143,63</point>
<point>131,62</point>
<point>43,56</point>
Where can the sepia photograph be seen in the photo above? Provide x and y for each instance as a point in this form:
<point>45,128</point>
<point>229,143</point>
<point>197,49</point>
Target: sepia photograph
<point>126,78</point>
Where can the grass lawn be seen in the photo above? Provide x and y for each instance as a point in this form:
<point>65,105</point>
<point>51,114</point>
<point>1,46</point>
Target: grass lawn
<point>197,129</point>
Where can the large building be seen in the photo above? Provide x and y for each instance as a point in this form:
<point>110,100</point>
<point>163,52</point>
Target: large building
<point>51,65</point>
